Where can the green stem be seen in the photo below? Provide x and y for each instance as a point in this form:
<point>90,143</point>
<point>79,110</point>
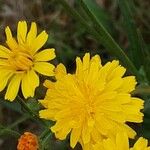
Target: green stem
<point>8,131</point>
<point>101,34</point>
<point>33,114</point>
<point>142,90</point>
<point>45,139</point>
<point>44,133</point>
<point>21,119</point>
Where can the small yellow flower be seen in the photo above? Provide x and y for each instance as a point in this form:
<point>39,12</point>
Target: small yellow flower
<point>28,141</point>
<point>92,103</point>
<point>121,143</point>
<point>21,61</point>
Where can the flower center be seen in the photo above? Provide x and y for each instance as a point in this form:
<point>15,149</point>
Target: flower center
<point>20,61</point>
<point>89,109</point>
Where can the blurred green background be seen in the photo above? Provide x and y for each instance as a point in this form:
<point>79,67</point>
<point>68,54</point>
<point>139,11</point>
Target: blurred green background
<point>70,39</point>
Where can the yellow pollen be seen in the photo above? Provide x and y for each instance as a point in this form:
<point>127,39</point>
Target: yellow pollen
<point>20,61</point>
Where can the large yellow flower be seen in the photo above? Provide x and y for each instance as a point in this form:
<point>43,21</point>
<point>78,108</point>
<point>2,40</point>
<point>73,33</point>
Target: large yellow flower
<point>92,103</point>
<point>20,61</point>
<point>121,142</point>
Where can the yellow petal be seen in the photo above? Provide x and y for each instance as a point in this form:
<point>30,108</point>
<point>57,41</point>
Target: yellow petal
<point>4,52</point>
<point>61,129</point>
<point>95,65</point>
<point>4,63</point>
<point>4,77</point>
<point>29,80</point>
<point>13,87</point>
<point>11,42</point>
<point>64,132</point>
<point>44,103</point>
<point>85,134</point>
<point>141,144</point>
<point>114,84</point>
<point>34,81</point>
<point>117,72</point>
<point>109,144</point>
<point>122,141</point>
<point>130,132</point>
<point>123,98</point>
<point>74,137</point>
<point>45,55</point>
<point>60,71</point>
<point>138,102</point>
<point>128,84</point>
<point>86,63</point>
<point>44,68</point>
<point>32,33</point>
<point>39,41</point>
<point>49,84</point>
<point>21,32</point>
<point>46,114</point>
<point>99,146</point>
<point>79,68</point>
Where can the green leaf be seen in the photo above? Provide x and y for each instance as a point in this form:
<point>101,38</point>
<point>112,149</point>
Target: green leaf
<point>33,104</point>
<point>101,15</point>
<point>10,105</point>
<point>146,56</point>
<point>31,113</point>
<point>101,34</point>
<point>135,45</point>
<point>108,41</point>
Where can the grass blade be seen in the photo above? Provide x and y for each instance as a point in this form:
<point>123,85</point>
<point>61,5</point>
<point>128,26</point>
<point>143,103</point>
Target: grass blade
<point>108,41</point>
<point>131,29</point>
<point>101,34</point>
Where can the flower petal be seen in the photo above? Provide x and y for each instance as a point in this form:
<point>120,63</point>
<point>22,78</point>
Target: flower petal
<point>44,68</point>
<point>49,84</point>
<point>4,77</point>
<point>4,62</point>
<point>141,144</point>
<point>13,87</point>
<point>60,71</point>
<point>11,42</point>
<point>45,55</point>
<point>39,42</point>
<point>85,134</point>
<point>29,80</point>
<point>74,137</point>
<point>114,84</point>
<point>122,141</point>
<point>4,52</point>
<point>32,33</point>
<point>22,32</point>
<point>128,84</point>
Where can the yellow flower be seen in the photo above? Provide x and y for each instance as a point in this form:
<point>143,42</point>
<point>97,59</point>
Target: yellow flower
<point>121,143</point>
<point>92,103</point>
<point>28,141</point>
<point>21,61</point>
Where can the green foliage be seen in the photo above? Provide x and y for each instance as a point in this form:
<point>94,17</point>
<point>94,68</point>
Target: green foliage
<point>134,41</point>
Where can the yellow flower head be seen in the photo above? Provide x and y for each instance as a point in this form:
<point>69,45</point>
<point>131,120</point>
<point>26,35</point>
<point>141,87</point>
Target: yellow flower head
<point>92,103</point>
<point>28,141</point>
<point>121,143</point>
<point>21,60</point>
